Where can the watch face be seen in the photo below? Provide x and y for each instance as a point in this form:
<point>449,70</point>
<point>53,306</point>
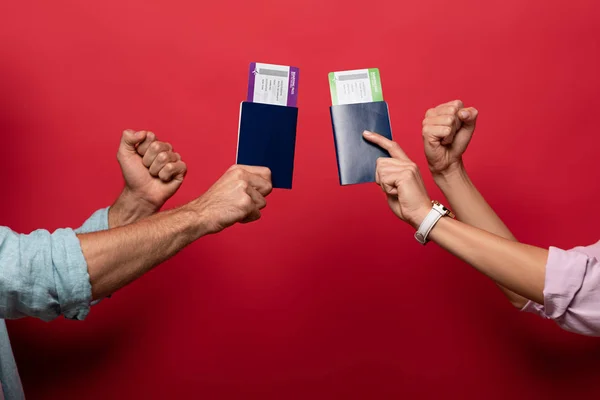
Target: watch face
<point>419,237</point>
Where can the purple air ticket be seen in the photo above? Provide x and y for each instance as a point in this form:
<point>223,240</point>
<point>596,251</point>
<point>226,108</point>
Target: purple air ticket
<point>273,84</point>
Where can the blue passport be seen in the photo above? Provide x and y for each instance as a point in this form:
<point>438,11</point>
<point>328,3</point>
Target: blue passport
<point>267,138</point>
<point>357,158</point>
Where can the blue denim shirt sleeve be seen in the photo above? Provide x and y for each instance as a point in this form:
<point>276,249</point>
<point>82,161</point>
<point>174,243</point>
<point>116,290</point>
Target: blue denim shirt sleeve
<point>44,274</point>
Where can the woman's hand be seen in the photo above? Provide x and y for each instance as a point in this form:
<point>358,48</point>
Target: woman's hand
<point>401,181</point>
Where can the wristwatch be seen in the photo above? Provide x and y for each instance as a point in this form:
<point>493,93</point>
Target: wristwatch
<point>438,211</point>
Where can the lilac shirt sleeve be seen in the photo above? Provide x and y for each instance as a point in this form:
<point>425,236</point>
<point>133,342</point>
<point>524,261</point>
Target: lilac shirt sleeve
<point>572,290</point>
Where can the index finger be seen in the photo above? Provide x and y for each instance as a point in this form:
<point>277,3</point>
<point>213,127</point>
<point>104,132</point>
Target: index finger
<point>143,147</point>
<point>263,172</point>
<point>450,107</point>
<point>392,147</point>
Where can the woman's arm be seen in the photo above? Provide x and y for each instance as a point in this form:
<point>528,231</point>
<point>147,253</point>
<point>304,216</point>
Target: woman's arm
<point>447,132</point>
<point>471,208</point>
<point>567,283</point>
<point>518,267</point>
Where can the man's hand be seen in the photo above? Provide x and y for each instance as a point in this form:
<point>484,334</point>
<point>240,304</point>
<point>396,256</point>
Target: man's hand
<point>238,196</point>
<point>447,131</point>
<point>153,172</point>
<point>401,181</point>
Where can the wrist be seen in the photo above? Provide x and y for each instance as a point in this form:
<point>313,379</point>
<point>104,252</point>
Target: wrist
<point>453,175</point>
<point>203,222</point>
<point>418,216</point>
<point>196,223</point>
<point>129,208</point>
<point>437,212</point>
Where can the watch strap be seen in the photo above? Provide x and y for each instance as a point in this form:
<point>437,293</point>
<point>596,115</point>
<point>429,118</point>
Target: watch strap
<point>437,211</point>
<point>427,225</point>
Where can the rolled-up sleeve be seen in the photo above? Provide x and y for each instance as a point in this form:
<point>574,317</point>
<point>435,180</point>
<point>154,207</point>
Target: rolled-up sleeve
<point>571,292</point>
<point>45,274</point>
<point>97,222</point>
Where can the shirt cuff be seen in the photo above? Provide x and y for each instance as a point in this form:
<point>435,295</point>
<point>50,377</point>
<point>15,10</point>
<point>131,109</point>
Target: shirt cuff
<point>565,273</point>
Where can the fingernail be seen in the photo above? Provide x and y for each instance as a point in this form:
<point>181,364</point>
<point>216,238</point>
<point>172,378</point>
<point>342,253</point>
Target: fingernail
<point>139,134</point>
<point>367,133</point>
<point>464,114</point>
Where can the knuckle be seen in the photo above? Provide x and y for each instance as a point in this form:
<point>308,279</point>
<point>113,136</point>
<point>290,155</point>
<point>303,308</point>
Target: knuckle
<point>430,111</point>
<point>246,202</point>
<point>446,130</point>
<point>412,167</point>
<point>155,146</point>
<point>169,168</point>
<point>238,173</point>
<point>162,157</point>
<point>242,184</point>
<point>452,110</point>
<point>382,162</point>
<point>451,119</point>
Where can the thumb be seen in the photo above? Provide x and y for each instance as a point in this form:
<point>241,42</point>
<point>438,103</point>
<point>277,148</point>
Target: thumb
<point>468,116</point>
<point>131,138</point>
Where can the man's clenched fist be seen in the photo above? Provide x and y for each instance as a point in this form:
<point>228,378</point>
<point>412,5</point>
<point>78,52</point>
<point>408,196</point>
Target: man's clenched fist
<point>238,196</point>
<point>153,172</point>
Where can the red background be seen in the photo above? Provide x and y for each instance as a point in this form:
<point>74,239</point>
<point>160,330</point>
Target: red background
<point>328,296</point>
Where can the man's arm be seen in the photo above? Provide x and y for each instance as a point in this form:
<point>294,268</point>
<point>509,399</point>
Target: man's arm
<point>45,275</point>
<point>117,257</point>
<point>447,131</point>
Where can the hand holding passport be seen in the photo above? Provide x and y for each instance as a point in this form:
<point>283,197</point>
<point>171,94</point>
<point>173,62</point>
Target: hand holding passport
<point>268,119</point>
